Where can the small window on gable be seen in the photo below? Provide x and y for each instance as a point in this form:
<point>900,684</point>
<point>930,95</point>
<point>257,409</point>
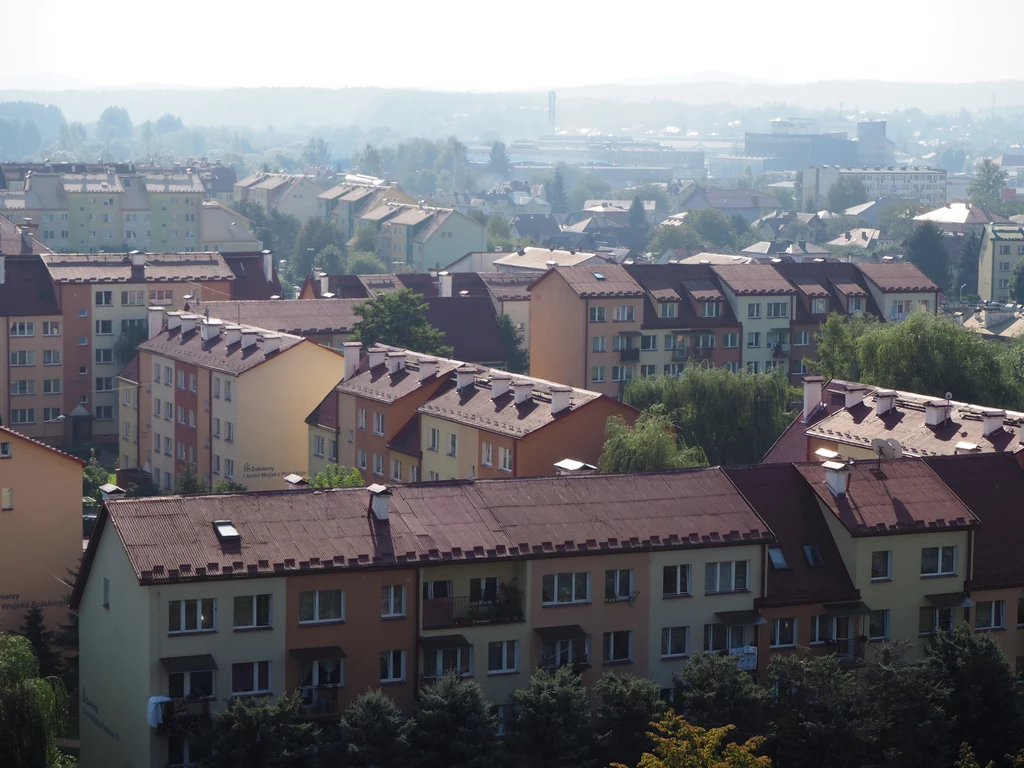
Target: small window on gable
<point>813,556</point>
<point>5,450</point>
<point>778,559</point>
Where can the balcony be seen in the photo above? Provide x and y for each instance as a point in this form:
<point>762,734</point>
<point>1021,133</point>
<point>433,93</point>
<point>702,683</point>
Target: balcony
<point>898,316</point>
<point>849,650</point>
<point>181,716</point>
<point>681,354</point>
<point>319,700</point>
<point>442,612</point>
<point>630,355</point>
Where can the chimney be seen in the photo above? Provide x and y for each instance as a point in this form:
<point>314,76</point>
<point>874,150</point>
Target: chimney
<point>3,268</point>
<point>396,362</point>
<point>464,375</point>
<point>211,328</point>
<point>249,338</point>
<point>154,314</point>
<point>268,266</point>
<point>188,323</point>
<point>854,395</point>
<point>936,412</point>
<point>377,355</point>
<point>174,321</point>
<point>837,477</point>
<point>138,258</point>
<point>232,334</point>
<point>812,394</point>
<point>428,367</point>
<point>271,343</point>
<point>964,447</point>
<point>523,390</point>
<point>992,418</point>
<point>444,285</point>
<point>380,501</point>
<point>885,401</point>
<point>500,383</point>
<point>560,398</point>
<point>325,283</point>
<point>351,349</point>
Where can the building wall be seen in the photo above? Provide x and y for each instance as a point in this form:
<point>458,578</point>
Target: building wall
<point>519,313</point>
<point>465,463</point>
<point>987,280</point>
<point>457,236</point>
<point>74,301</point>
<point>579,436</point>
<point>299,200</point>
<point>227,411</point>
<point>128,419</point>
<point>1011,637</point>
<point>35,374</point>
<point>560,355</point>
<point>803,615</point>
<point>317,464</point>
<point>886,302</point>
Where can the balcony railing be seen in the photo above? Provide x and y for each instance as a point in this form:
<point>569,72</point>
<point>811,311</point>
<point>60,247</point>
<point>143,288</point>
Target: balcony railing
<point>181,715</point>
<point>629,355</point>
<point>441,612</point>
<point>319,700</point>
<point>681,353</point>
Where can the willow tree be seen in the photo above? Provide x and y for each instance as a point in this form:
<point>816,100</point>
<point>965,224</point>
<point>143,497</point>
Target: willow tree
<point>33,710</point>
<point>649,444</point>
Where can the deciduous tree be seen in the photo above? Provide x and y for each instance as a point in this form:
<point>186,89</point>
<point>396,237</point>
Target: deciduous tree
<point>517,358</point>
<point>678,744</point>
<point>337,476</point>
<point>986,186</point>
<point>649,444</point>
<point>398,319</point>
<point>33,709</point>
<point>1017,283</point>
<point>365,263</point>
<point>188,482</point>
<point>94,475</point>
<point>365,240</point>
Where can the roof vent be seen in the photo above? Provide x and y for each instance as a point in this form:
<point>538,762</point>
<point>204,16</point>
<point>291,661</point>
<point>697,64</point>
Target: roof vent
<point>380,501</point>
<point>573,467</point>
<point>377,356</point>
<point>444,284</point>
<point>227,533</point>
<point>937,412</point>
<point>561,398</point>
<point>523,390</point>
<point>295,482</point>
<point>812,394</point>
<point>138,258</point>
<point>885,401</point>
<point>232,334</point>
<point>211,329</point>
<point>837,477</point>
<point>464,376</point>
<point>428,367</point>
<point>992,418</point>
<point>271,343</point>
<point>174,321</point>
<point>396,362</point>
<point>188,323</point>
<point>155,316</point>
<point>854,395</point>
<point>964,447</point>
<point>500,383</point>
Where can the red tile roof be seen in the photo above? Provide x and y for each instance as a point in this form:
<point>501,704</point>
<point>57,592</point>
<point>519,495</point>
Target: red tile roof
<point>906,497</point>
<point>903,277</point>
<point>326,413</point>
<point>753,279</point>
<point>604,280</point>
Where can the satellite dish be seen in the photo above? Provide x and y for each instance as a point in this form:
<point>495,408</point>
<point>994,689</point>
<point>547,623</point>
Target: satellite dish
<point>882,448</point>
<point>896,447</point>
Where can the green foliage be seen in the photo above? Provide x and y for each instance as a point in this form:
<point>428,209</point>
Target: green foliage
<point>965,280</point>
<point>711,691</point>
<point>847,192</point>
<point>369,161</point>
<point>989,180</point>
<point>317,152</point>
<point>927,251</point>
<point>114,123</point>
<point>65,637</point>
<point>517,358</point>
<point>635,235</point>
<point>898,222</point>
<point>377,733</point>
<point>188,482</point>
<point>678,744</point>
<point>128,341</point>
<point>554,193</point>
<point>331,260</point>
<point>365,263</point>
<point>33,710</point>
<point>498,162</point>
<point>398,319</point>
<point>314,237</point>
<point>628,706</point>
<point>453,726</point>
<point>1017,283</point>
<point>734,417</point>
<point>836,341</point>
<point>646,192</point>
<point>43,641</point>
<point>364,240</point>
<point>703,229</point>
<point>667,236</point>
<point>552,726</point>
<point>837,225</point>
<point>93,476</point>
<point>228,486</point>
<point>337,476</point>
<point>262,733</point>
<point>650,444</point>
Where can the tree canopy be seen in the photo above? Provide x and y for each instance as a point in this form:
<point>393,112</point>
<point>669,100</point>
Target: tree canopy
<point>846,192</point>
<point>986,186</point>
<point>554,193</point>
<point>398,319</point>
<point>262,733</point>
<point>552,726</point>
<point>498,162</point>
<point>711,691</point>
<point>365,263</point>
<point>927,251</point>
<point>628,706</point>
<point>517,358</point>
<point>649,444</point>
<point>678,744</point>
<point>33,709</point>
<point>337,476</point>
<point>453,727</point>
<point>377,733</point>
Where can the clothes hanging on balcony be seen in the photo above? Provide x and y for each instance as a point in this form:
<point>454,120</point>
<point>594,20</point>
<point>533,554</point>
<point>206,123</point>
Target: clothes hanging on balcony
<point>155,710</point>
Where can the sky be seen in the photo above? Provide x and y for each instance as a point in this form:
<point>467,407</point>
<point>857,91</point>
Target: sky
<point>456,45</point>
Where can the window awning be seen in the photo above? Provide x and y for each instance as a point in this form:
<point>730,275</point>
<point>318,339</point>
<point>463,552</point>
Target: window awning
<point>740,618</point>
<point>847,609</point>
<point>444,641</point>
<point>201,663</point>
<point>315,654</point>
<point>950,600</point>
<point>630,333</point>
<point>566,632</point>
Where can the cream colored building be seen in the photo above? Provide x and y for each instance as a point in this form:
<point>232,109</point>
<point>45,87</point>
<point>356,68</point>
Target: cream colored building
<point>1002,247</point>
<point>225,230</point>
<point>290,194</point>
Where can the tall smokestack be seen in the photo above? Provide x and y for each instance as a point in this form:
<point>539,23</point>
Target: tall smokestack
<point>552,123</point>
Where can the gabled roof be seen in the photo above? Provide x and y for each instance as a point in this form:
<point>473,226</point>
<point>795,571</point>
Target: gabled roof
<point>250,282</point>
<point>27,290</point>
<point>131,371</point>
<point>902,277</point>
<point>216,354</point>
<point>470,327</point>
<point>377,384</point>
<point>14,243</point>
<point>962,213</point>
<point>611,280</point>
<point>508,286</point>
<point>117,267</point>
<point>753,280</point>
<point>791,446</point>
<point>10,434</point>
<point>297,317</point>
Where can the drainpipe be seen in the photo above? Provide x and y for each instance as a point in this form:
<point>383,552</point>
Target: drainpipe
<point>419,630</point>
<point>586,333</point>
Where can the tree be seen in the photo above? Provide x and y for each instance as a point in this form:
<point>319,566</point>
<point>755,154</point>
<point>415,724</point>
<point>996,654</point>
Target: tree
<point>262,733</point>
<point>635,235</point>
<point>453,726</point>
<point>628,707</point>
<point>398,319</point>
<point>337,476</point>
<point>711,691</point>
<point>988,182</point>
<point>33,710</point>
<point>713,229</point>
<point>168,123</point>
<point>966,270</point>
<point>331,259</point>
<point>317,152</point>
<point>517,359</point>
<point>650,444</point>
<point>114,123</point>
<point>1017,283</point>
<point>836,341</point>
<point>554,193</point>
<point>33,628</point>
<point>667,237</point>
<point>188,482</point>
<point>228,486</point>
<point>678,744</point>
<point>370,162</point>
<point>365,263</point>
<point>847,192</point>
<point>498,163</point>
<point>365,239</point>
<point>65,637</point>
<point>127,343</point>
<point>552,725</point>
<point>377,733</point>
<point>314,237</point>
<point>927,251</point>
<point>93,476</point>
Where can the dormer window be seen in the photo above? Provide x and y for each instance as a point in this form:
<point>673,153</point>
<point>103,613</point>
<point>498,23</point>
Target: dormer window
<point>669,309</point>
<point>711,309</point>
<point>819,306</point>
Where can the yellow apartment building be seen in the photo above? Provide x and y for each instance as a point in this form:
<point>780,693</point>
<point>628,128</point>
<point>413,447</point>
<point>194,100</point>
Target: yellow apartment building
<point>1002,247</point>
<point>128,390</point>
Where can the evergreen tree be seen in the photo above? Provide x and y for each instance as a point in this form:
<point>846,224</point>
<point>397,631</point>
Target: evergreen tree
<point>649,444</point>
<point>847,192</point>
<point>66,639</point>
<point>398,319</point>
<point>453,726</point>
<point>517,358</point>
<point>262,733</point>
<point>967,266</point>
<point>377,734</point>
<point>554,193</point>
<point>331,260</point>
<point>628,707</point>
<point>927,251</point>
<point>712,692</point>
<point>552,726</point>
<point>498,163</point>
<point>1017,283</point>
<point>34,629</point>
<point>33,709</point>
<point>988,182</point>
<point>635,236</point>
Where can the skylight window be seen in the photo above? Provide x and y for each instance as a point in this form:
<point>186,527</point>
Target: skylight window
<point>813,556</point>
<point>598,276</point>
<point>778,559</point>
<point>226,530</point>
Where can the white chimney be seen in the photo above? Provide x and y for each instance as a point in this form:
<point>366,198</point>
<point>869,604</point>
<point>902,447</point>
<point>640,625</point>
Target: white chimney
<point>885,401</point>
<point>188,323</point>
<point>812,394</point>
<point>380,501</point>
<point>174,320</point>
<point>854,395</point>
<point>268,266</point>
<point>560,398</point>
<point>377,356</point>
<point>428,367</point>
<point>249,337</point>
<point>325,284</point>
<point>271,343</point>
<point>138,258</point>
<point>992,418</point>
<point>965,447</point>
<point>155,316</point>
<point>3,268</point>
<point>232,334</point>
<point>351,349</point>
<point>523,390</point>
<point>936,412</point>
<point>396,362</point>
<point>211,328</point>
<point>500,383</point>
<point>464,375</point>
<point>837,477</point>
<point>444,285</point>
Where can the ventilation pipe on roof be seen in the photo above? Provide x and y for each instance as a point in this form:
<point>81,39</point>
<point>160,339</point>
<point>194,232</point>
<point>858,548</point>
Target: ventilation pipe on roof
<point>561,397</point>
<point>268,266</point>
<point>444,285</point>
<point>295,482</point>
<point>812,394</point>
<point>573,467</point>
<point>325,284</point>
<point>837,477</point>
<point>992,419</point>
<point>271,343</point>
<point>396,362</point>
<point>464,376</point>
<point>937,412</point>
<point>188,323</point>
<point>377,356</point>
<point>138,258</point>
<point>350,349</point>
<point>211,328</point>
<point>380,501</point>
<point>885,401</point>
<point>174,321</point>
<point>500,383</point>
<point>249,338</point>
<point>964,447</point>
<point>523,391</point>
<point>232,334</point>
<point>853,396</point>
<point>428,367</point>
<point>155,315</point>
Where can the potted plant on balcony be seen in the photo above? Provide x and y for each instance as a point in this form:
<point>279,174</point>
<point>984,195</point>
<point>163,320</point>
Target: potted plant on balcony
<point>510,602</point>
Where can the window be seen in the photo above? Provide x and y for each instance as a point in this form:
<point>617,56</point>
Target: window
<point>83,312</point>
<point>801,338</point>
<point>181,380</point>
<point>725,576</point>
<point>227,390</point>
<point>156,373</point>
<point>229,431</point>
<point>881,565</point>
<point>444,661</point>
<point>483,591</point>
<point>6,498</point>
<point>191,615</point>
<point>649,343</point>
<point>23,387</point>
<point>618,646</point>
<point>502,657</point>
<point>104,413</point>
<point>932,620</point>
<point>229,468</point>
<point>321,673</point>
<point>23,357</point>
<point>573,651</point>
<point>216,386</point>
<point>23,416</point>
<point>597,315</point>
<point>392,666</point>
<point>599,344</point>
<point>104,384</point>
<point>392,601</point>
<point>669,309</point>
<point>675,642</point>
<point>83,341</point>
<point>361,458</point>
<point>938,561</point>
<point>1004,282</point>
<point>181,414</point>
<point>435,439</point>
<point>711,309</point>
<point>819,306</point>
<point>753,311</point>
<point>252,611</point>
<point>622,373</point>
<point>719,637</point>
<point>486,454</point>
<point>783,633</point>
<point>778,309</point>
<point>250,677</point>
<point>361,418</point>
<point>5,450</point>
<point>104,327</point>
<point>133,298</point>
<point>990,614</point>
<point>813,556</point>
<point>126,396</point>
<point>23,329</point>
<point>453,444</point>
<point>396,470</point>
<point>753,340</point>
<point>625,314</point>
<point>104,298</point>
<point>1004,250</point>
<point>378,464</point>
<point>565,588</point>
<point>648,370</point>
<point>414,474</point>
<point>323,605</point>
<point>856,304</point>
<point>730,340</point>
<point>618,584</point>
<point>190,685</point>
<point>436,590</point>
<point>675,580</point>
<point>168,444</point>
<point>777,559</point>
<point>878,625</point>
<point>597,374</point>
<point>332,450</point>
<point>318,446</point>
<point>51,357</point>
<point>378,423</point>
<point>191,419</point>
<point>506,459</point>
<point>191,382</point>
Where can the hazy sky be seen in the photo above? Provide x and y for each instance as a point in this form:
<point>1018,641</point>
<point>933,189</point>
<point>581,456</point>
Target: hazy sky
<point>461,45</point>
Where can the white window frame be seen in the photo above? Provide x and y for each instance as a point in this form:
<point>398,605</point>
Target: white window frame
<point>378,465</point>
<point>884,614</point>
<point>681,574</point>
<point>668,634</point>
<point>609,647</point>
<point>435,440</point>
<point>556,578</point>
<point>378,423</point>
<point>433,662</point>
<point>316,607</point>
<point>996,615</point>
<point>361,418</point>
<point>453,445</point>
<point>888,565</point>
<point>781,639</point>
<point>621,586</point>
<point>255,678</point>
<point>392,601</point>
<point>318,445</point>
<point>506,648</point>
<point>714,587</point>
<point>391,657</point>
<point>183,611</point>
<point>254,604</point>
<point>943,568</point>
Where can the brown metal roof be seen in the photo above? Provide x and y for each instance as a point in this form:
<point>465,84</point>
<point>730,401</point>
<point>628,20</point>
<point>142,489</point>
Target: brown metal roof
<point>13,243</point>
<point>300,317</point>
<point>117,267</point>
<point>753,279</point>
<point>508,286</point>
<point>810,287</point>
<point>215,354</point>
<point>604,280</point>
<point>377,384</point>
<point>27,290</point>
<point>897,278</point>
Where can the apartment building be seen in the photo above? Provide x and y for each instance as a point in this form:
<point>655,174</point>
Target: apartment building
<point>1002,247</point>
<point>128,386</point>
<point>40,528</point>
<point>764,300</point>
<point>404,417</point>
<point>345,203</point>
<point>421,237</point>
<point>223,229</point>
<point>924,185</point>
<point>229,399</point>
<point>286,193</point>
